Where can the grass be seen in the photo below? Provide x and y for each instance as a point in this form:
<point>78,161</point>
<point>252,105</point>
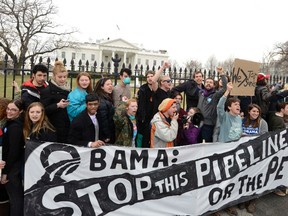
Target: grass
<point>9,88</point>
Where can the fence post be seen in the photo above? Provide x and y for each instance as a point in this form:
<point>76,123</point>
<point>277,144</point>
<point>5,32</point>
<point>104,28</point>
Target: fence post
<point>116,61</point>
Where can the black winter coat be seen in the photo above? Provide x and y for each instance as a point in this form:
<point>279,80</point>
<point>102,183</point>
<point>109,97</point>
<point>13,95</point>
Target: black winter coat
<point>82,130</point>
<point>105,115</point>
<point>13,144</point>
<point>191,90</point>
<point>58,117</point>
<point>44,136</point>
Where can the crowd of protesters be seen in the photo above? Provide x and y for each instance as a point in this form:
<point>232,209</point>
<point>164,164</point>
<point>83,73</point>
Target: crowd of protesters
<point>92,116</point>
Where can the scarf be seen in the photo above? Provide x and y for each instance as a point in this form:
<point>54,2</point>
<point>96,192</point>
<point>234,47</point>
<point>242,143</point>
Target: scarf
<point>206,92</point>
<point>65,87</point>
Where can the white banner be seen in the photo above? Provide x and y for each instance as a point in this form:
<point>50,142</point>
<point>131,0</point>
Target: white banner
<point>62,179</point>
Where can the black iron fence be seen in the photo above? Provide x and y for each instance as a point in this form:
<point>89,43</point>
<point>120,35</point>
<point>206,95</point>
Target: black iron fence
<point>11,69</point>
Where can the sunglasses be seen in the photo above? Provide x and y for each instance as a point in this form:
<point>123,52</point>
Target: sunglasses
<point>168,81</point>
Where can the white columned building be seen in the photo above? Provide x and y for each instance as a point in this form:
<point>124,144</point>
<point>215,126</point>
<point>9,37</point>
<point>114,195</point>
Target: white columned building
<point>104,50</point>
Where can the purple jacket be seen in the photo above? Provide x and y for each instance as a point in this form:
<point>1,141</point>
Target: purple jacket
<point>191,134</point>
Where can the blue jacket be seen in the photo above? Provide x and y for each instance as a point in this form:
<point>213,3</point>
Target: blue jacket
<point>77,102</point>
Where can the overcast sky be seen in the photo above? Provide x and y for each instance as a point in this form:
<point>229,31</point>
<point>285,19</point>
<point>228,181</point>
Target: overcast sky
<point>187,29</point>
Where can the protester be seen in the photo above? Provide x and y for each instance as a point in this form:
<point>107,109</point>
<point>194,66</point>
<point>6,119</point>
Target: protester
<point>182,116</point>
<point>276,119</point>
<point>230,120</point>
<point>191,89</point>
<point>145,111</point>
<point>31,89</point>
<point>122,89</point>
<point>231,125</point>
<point>37,126</point>
<point>263,94</point>
<point>208,98</point>
<point>13,155</point>
<point>125,123</point>
<point>164,125</point>
<point>77,96</point>
<point>161,85</point>
<point>84,130</point>
<point>192,126</point>
<point>253,124</point>
<point>104,89</point>
<point>54,99</point>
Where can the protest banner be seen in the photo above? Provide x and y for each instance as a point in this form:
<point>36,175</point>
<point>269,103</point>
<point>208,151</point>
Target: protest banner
<point>62,179</point>
<point>244,77</point>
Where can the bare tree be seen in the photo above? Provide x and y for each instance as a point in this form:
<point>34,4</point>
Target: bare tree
<point>27,29</point>
<point>280,58</point>
<point>194,65</point>
<point>211,63</point>
<point>228,64</point>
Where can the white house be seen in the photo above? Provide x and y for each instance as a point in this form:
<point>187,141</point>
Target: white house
<point>104,50</point>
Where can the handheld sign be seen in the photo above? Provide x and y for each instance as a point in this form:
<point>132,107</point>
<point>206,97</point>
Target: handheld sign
<point>244,77</point>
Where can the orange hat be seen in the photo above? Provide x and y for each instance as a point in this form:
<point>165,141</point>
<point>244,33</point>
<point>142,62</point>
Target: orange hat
<point>166,104</point>
<point>262,76</point>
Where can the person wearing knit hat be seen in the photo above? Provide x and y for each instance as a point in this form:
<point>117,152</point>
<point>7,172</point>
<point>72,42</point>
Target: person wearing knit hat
<point>262,76</point>
<point>264,94</point>
<point>164,125</point>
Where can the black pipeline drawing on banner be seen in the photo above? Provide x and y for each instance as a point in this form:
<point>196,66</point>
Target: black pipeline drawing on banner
<point>53,194</point>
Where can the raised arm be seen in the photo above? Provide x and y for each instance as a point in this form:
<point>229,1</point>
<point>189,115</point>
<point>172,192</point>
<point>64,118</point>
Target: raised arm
<point>221,103</point>
<point>158,74</point>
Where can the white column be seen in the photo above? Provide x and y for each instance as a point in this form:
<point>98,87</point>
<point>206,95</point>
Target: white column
<point>124,60</point>
<point>100,58</point>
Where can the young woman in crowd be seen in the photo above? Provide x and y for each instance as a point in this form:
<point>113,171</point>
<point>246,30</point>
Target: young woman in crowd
<point>125,123</point>
<point>13,155</point>
<point>104,89</point>
<point>37,126</point>
<point>77,96</point>
<point>54,99</point>
<point>192,126</point>
<point>253,124</point>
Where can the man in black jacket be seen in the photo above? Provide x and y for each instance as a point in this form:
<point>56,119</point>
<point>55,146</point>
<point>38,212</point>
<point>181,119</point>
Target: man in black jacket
<point>84,129</point>
<point>145,111</point>
<point>191,88</point>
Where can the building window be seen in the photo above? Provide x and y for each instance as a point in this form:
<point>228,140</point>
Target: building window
<point>139,61</point>
<point>106,59</point>
<point>162,62</point>
<point>154,62</point>
<point>92,57</point>
<point>127,60</point>
<point>63,55</point>
<point>73,56</point>
<point>83,56</point>
<point>147,61</point>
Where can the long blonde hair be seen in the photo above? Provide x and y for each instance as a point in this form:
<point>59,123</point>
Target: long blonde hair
<point>43,122</point>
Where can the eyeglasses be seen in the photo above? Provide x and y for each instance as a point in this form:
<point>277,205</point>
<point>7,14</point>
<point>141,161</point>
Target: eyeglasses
<point>168,81</point>
<point>11,110</point>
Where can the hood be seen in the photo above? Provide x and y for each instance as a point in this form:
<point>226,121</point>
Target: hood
<point>159,117</point>
<point>29,83</point>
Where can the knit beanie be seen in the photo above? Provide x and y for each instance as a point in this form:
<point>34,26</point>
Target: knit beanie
<point>166,104</point>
